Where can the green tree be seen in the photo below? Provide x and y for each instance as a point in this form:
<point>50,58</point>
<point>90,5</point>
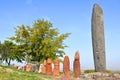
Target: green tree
<point>5,51</point>
<point>9,51</point>
<point>41,41</point>
<point>0,53</point>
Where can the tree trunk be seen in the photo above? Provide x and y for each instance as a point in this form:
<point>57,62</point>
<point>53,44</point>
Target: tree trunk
<point>9,62</point>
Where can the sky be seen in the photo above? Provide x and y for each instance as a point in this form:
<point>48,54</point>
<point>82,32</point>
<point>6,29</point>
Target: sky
<point>68,16</point>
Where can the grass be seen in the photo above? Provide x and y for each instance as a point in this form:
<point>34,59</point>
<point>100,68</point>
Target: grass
<point>10,73</point>
<point>92,71</point>
<point>7,73</point>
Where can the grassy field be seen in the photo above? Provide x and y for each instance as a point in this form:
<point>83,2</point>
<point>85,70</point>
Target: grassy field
<point>10,73</point>
<point>7,73</point>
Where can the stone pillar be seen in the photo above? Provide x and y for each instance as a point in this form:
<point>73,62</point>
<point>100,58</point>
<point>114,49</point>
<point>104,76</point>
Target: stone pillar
<point>56,67</point>
<point>44,67</point>
<point>28,67</point>
<point>76,65</point>
<point>40,68</point>
<point>49,67</point>
<point>66,67</point>
<point>98,42</point>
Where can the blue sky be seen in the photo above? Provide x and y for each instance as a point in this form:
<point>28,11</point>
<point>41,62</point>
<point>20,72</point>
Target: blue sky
<point>68,16</point>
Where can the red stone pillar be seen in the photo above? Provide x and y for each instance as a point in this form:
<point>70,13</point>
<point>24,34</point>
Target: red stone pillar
<point>44,67</point>
<point>49,67</point>
<point>28,67</point>
<point>56,67</point>
<point>66,67</point>
<point>76,65</point>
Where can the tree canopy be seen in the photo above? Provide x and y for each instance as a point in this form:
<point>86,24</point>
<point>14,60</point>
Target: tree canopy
<point>40,41</point>
<point>9,51</point>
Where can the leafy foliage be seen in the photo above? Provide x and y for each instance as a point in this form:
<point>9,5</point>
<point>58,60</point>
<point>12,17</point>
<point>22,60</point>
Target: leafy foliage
<point>41,41</point>
<point>8,52</point>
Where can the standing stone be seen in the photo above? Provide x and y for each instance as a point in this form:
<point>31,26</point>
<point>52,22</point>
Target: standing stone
<point>66,67</point>
<point>76,65</point>
<point>40,68</point>
<point>98,42</point>
<point>28,67</point>
<point>44,67</point>
<point>56,67</point>
<point>49,67</point>
<point>35,67</point>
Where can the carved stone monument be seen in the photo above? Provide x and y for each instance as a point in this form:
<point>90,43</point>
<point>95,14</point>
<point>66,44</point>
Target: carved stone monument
<point>49,67</point>
<point>28,67</point>
<point>98,42</point>
<point>76,65</point>
<point>66,67</point>
<point>56,67</point>
<point>44,67</point>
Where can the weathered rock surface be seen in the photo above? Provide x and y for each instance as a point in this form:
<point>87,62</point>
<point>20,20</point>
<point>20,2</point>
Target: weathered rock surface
<point>98,39</point>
